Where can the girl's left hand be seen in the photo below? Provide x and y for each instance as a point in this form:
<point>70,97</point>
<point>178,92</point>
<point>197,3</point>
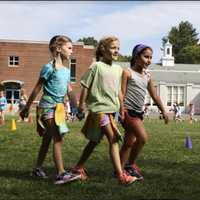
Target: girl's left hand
<point>166,118</point>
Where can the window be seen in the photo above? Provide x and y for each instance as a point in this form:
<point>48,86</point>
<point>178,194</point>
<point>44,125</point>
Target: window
<point>175,94</point>
<point>73,70</point>
<point>12,95</point>
<point>168,51</point>
<point>13,61</point>
<point>169,95</point>
<point>181,96</point>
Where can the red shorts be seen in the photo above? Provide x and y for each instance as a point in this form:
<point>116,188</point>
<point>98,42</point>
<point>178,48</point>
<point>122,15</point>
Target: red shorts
<point>129,121</point>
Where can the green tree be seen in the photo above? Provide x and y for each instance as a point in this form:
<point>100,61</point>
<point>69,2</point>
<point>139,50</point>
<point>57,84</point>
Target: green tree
<point>189,54</point>
<point>181,37</point>
<point>124,58</point>
<point>89,41</point>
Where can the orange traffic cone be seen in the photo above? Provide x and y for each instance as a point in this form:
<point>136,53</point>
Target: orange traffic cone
<point>13,125</point>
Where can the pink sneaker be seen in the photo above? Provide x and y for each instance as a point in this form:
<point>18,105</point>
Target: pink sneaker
<point>126,179</point>
<point>81,171</point>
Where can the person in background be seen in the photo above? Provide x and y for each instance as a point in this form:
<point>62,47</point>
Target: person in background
<point>22,103</point>
<point>3,106</point>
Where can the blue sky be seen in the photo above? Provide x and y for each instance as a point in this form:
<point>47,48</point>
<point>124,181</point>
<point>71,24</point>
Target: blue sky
<point>131,21</point>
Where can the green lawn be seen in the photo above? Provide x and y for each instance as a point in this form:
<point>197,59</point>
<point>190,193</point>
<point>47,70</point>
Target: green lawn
<point>170,170</point>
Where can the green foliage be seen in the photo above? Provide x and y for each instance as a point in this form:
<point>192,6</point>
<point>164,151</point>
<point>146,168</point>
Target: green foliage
<point>189,54</point>
<point>182,37</point>
<point>124,58</point>
<point>89,41</point>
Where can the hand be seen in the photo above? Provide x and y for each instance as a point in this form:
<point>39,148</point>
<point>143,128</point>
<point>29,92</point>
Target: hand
<point>80,108</point>
<point>80,115</point>
<point>122,116</point>
<point>24,113</point>
<point>166,118</point>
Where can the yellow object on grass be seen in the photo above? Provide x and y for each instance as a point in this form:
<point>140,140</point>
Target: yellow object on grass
<point>13,125</point>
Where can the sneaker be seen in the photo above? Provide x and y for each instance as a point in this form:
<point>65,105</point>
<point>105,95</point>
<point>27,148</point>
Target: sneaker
<point>81,172</point>
<point>126,179</point>
<point>66,177</point>
<point>136,168</point>
<point>133,171</point>
<point>38,172</point>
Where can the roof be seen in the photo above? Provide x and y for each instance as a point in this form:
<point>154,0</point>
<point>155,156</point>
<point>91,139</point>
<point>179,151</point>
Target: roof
<point>179,73</point>
<point>43,42</point>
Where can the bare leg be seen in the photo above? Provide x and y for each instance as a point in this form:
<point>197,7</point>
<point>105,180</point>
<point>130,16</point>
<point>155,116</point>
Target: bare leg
<point>86,153</point>
<point>57,146</point>
<point>43,149</point>
<point>113,148</point>
<point>141,139</point>
<point>126,148</point>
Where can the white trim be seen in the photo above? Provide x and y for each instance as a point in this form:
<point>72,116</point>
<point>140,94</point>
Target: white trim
<point>12,81</point>
<point>160,70</point>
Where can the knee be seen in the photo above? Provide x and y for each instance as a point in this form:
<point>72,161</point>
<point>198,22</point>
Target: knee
<point>142,139</point>
<point>129,142</point>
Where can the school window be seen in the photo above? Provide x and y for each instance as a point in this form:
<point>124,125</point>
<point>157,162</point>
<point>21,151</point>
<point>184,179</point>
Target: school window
<point>73,70</point>
<point>175,94</point>
<point>181,96</point>
<point>169,96</point>
<point>13,61</point>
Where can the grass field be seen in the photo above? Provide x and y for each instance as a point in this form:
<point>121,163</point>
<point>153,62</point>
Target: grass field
<point>171,171</point>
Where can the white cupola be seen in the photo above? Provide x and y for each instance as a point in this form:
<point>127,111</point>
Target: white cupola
<point>167,58</point>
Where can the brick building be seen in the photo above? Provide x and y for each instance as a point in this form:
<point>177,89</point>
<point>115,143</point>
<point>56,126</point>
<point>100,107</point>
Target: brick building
<point>21,62</point>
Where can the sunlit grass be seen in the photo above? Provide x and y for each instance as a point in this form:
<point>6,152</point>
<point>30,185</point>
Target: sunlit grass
<point>171,171</point>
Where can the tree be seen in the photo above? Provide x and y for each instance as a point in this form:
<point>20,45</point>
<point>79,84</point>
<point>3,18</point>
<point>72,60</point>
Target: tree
<point>181,37</point>
<point>89,41</point>
<point>190,54</point>
<point>124,58</point>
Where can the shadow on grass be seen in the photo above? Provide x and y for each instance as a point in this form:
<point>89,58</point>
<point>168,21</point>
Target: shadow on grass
<point>163,179</point>
<point>25,175</point>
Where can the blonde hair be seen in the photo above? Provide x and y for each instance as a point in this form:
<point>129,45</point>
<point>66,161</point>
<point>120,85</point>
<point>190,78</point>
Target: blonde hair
<point>103,44</point>
<point>57,41</point>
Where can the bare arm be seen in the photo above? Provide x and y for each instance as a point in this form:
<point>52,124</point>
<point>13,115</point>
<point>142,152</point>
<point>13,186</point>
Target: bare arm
<point>83,96</point>
<point>31,98</point>
<point>157,100</point>
<point>72,97</point>
<point>125,77</point>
